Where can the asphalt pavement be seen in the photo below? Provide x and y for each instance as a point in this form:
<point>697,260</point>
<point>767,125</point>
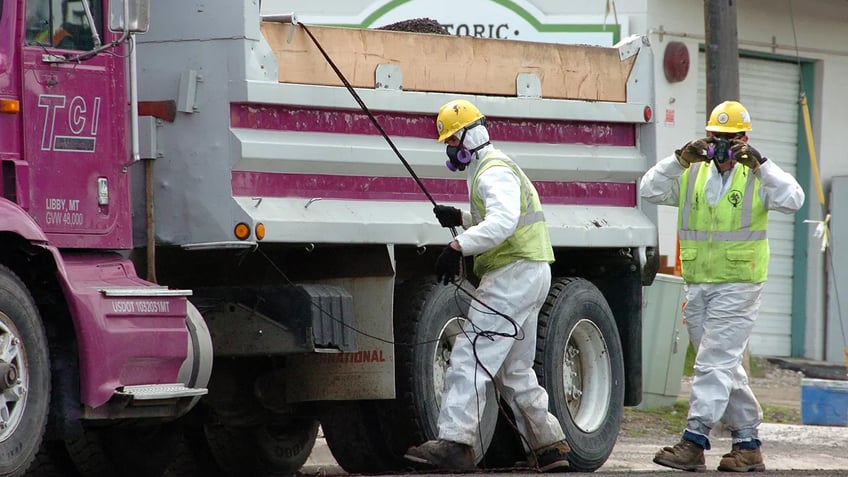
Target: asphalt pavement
<point>785,447</point>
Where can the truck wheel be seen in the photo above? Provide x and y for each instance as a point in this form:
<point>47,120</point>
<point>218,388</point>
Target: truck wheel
<point>356,438</point>
<point>579,362</point>
<point>278,445</point>
<point>131,451</point>
<point>52,460</point>
<point>428,318</point>
<point>24,376</point>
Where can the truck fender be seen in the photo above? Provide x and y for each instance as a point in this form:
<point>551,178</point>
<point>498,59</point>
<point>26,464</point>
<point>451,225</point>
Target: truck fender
<point>16,220</point>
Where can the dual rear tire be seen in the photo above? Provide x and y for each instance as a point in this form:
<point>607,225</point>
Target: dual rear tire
<point>579,362</point>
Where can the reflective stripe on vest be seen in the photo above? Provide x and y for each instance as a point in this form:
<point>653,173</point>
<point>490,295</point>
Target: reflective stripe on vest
<point>530,240</point>
<point>727,242</point>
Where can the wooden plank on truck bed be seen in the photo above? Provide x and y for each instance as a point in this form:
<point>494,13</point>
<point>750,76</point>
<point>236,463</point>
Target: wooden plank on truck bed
<point>451,64</point>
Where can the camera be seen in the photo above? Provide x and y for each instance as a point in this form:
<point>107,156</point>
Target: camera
<point>721,150</point>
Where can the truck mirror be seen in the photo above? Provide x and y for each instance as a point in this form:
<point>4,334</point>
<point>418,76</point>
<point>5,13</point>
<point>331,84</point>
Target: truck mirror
<point>136,18</point>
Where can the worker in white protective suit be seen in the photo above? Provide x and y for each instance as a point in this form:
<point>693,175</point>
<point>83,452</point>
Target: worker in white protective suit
<point>506,233</point>
<point>724,189</point>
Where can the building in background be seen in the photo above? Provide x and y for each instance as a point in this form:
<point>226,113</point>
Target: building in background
<point>786,49</point>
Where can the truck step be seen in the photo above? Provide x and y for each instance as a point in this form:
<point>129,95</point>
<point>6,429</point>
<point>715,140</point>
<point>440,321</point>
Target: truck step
<point>142,291</point>
<point>145,392</point>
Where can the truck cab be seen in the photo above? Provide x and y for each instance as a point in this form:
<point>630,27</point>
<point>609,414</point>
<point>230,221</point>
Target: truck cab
<point>88,341</point>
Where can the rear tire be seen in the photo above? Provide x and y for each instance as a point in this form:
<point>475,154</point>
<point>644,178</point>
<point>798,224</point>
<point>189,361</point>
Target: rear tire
<point>24,376</point>
<point>428,318</point>
<point>356,438</point>
<point>52,461</point>
<point>275,445</point>
<point>131,451</point>
<point>579,362</point>
<point>372,436</point>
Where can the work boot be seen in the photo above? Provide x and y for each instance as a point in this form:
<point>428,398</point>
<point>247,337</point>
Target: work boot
<point>552,458</point>
<point>442,454</point>
<point>685,455</point>
<point>742,460</point>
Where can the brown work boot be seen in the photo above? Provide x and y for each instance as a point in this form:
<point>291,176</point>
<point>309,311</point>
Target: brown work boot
<point>685,455</point>
<point>442,454</point>
<point>742,460</point>
<point>552,458</point>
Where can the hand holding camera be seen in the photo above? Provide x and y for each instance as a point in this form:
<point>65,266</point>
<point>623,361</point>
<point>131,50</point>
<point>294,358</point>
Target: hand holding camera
<point>693,151</point>
<point>746,154</point>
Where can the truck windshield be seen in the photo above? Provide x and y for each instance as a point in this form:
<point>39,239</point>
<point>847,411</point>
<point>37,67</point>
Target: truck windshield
<point>62,23</point>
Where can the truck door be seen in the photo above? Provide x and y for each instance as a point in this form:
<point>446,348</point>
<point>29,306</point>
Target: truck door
<point>10,118</point>
<point>75,112</point>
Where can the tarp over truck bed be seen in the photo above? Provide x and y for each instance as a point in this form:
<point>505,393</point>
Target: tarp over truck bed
<point>451,64</point>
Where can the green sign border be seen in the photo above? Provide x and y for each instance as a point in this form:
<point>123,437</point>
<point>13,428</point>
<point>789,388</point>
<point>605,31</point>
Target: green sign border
<point>535,23</point>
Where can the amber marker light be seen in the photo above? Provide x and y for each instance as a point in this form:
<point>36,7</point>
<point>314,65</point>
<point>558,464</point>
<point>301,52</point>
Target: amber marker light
<point>260,231</point>
<point>10,106</point>
<point>242,231</point>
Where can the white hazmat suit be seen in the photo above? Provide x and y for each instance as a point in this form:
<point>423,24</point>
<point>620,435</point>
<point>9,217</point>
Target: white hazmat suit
<point>517,290</point>
<point>720,316</point>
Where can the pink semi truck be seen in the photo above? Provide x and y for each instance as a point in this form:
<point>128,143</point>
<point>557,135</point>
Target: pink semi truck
<point>207,248</point>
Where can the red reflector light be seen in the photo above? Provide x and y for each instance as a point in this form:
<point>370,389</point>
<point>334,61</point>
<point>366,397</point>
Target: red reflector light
<point>648,113</point>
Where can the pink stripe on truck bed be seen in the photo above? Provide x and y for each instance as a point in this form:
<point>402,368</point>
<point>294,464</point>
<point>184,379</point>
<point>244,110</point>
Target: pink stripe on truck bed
<point>336,121</point>
<point>308,186</point>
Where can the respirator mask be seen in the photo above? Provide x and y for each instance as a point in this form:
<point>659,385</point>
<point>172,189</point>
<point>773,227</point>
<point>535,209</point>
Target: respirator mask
<point>719,151</point>
<point>460,156</point>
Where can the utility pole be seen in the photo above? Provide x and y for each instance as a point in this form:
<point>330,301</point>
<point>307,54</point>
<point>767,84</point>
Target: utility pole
<point>722,52</point>
<point>722,70</point>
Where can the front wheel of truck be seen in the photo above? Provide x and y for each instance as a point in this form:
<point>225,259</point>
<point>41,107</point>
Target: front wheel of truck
<point>579,362</point>
<point>24,376</point>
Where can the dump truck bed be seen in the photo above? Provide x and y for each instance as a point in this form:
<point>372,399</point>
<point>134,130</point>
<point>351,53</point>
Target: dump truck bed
<point>271,136</point>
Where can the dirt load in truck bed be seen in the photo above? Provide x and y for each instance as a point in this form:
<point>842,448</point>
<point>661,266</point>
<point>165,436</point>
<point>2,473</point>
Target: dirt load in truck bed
<point>446,63</point>
<point>417,25</point>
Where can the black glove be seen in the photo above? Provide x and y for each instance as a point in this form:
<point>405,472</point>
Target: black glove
<point>747,155</point>
<point>448,216</point>
<point>693,151</point>
<point>447,265</point>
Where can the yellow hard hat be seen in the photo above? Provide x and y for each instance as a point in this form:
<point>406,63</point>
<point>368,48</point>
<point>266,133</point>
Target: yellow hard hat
<point>454,116</point>
<point>729,117</point>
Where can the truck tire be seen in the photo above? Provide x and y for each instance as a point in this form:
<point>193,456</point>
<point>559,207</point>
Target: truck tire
<point>278,445</point>
<point>24,376</point>
<point>428,317</point>
<point>52,460</point>
<point>579,362</point>
<point>355,435</point>
<point>129,451</point>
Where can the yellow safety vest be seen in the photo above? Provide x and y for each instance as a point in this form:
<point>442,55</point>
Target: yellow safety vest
<point>725,243</point>
<point>530,241</point>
